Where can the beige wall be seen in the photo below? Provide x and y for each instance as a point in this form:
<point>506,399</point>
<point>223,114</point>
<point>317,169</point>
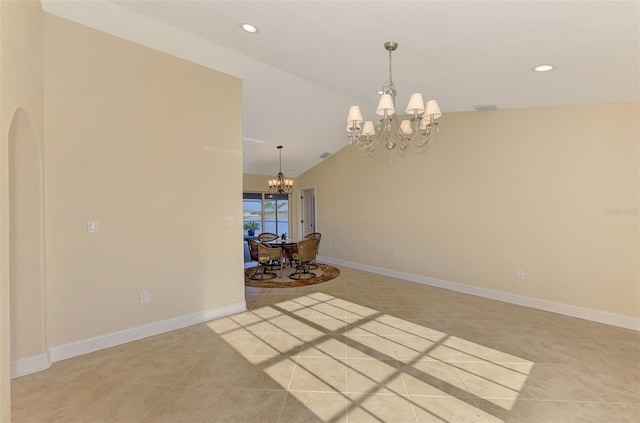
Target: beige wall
<point>255,183</point>
<point>552,191</point>
<point>150,145</point>
<point>26,240</point>
<point>21,113</point>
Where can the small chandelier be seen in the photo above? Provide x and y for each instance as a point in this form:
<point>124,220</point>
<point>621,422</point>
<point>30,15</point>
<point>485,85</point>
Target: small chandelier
<point>413,134</point>
<point>280,185</point>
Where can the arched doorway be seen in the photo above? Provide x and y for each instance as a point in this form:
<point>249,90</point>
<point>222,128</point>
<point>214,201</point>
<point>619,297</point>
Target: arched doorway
<point>26,248</point>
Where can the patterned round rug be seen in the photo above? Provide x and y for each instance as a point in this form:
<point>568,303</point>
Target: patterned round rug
<point>324,273</point>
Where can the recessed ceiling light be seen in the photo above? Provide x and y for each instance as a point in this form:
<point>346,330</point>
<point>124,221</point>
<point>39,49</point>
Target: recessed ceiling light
<point>543,68</point>
<point>249,28</point>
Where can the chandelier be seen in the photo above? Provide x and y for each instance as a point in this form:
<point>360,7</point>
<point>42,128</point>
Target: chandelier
<point>280,185</point>
<point>414,133</point>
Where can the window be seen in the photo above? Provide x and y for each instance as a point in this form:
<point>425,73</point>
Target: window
<point>270,211</point>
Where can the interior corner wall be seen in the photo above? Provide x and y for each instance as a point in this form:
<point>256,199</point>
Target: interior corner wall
<point>150,146</point>
<point>551,191</point>
<point>21,93</point>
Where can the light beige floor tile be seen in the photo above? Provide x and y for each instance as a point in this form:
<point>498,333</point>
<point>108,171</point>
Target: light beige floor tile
<point>197,339</point>
<point>48,401</point>
<point>610,384</point>
<point>519,364</point>
<point>324,346</point>
<point>150,369</point>
<point>319,374</point>
<point>465,327</point>
<point>412,348</point>
<point>218,372</point>
<point>600,351</point>
<point>292,324</point>
<point>237,343</point>
<point>253,323</point>
<point>279,369</point>
<point>371,376</point>
<point>218,405</point>
<point>377,347</point>
<point>272,299</point>
<point>380,408</point>
<point>539,351</point>
<point>327,325</point>
<point>314,407</point>
<point>516,411</point>
<point>223,325</point>
<point>329,309</point>
<point>489,380</point>
<point>401,327</point>
<point>364,327</point>
<point>279,344</point>
<point>446,409</point>
<point>433,378</point>
<point>357,310</point>
<point>560,382</point>
<point>267,310</point>
<point>146,368</point>
<point>279,291</point>
<point>476,350</point>
<point>122,403</point>
<point>593,412</point>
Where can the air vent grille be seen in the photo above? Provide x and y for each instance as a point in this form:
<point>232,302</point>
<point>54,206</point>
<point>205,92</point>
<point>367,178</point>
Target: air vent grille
<point>325,155</point>
<point>485,107</point>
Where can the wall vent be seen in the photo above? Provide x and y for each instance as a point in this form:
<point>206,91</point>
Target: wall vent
<point>325,155</point>
<point>484,107</point>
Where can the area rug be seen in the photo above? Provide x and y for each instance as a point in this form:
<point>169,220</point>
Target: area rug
<point>324,273</point>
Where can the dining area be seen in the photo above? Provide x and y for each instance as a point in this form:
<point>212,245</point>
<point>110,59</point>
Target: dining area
<point>271,256</point>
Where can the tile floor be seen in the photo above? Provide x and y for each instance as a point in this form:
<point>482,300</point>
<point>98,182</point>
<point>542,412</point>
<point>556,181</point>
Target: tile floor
<point>360,348</point>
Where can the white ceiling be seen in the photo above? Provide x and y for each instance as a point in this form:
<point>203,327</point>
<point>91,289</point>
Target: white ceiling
<point>311,60</point>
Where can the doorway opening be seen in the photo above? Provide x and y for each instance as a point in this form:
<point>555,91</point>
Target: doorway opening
<point>307,211</point>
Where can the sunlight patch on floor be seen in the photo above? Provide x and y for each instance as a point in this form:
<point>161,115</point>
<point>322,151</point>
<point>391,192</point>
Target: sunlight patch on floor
<point>341,359</point>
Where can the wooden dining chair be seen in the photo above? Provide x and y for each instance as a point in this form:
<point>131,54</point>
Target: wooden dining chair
<point>267,236</point>
<point>318,236</point>
<point>266,258</point>
<point>306,251</point>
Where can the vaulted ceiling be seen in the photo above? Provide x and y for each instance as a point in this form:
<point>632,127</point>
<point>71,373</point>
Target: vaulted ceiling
<point>311,60</point>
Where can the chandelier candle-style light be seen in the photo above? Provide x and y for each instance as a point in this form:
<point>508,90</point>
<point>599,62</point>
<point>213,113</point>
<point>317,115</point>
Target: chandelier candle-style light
<point>280,185</point>
<point>413,134</point>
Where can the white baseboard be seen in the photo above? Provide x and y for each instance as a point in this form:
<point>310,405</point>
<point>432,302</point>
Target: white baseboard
<point>34,364</point>
<point>26,366</point>
<point>605,317</point>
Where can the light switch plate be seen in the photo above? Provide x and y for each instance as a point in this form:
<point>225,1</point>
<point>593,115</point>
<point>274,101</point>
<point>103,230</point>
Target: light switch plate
<point>228,220</point>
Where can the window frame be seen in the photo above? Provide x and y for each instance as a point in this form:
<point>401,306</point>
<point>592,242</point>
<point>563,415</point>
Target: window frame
<point>265,197</point>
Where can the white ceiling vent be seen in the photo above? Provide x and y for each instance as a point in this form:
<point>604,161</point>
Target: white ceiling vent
<point>484,107</point>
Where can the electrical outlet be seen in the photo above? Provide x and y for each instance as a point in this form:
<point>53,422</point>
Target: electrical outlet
<point>395,255</point>
<point>520,274</point>
<point>144,297</point>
